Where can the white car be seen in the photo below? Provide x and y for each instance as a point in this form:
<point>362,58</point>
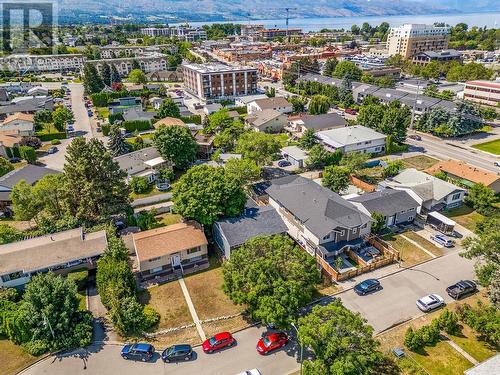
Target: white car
<point>442,240</point>
<point>430,302</point>
<point>250,372</point>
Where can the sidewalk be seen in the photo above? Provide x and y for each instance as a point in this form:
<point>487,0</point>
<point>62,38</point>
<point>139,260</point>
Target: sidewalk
<point>192,310</point>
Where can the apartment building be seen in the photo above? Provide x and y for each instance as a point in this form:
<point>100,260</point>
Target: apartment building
<point>149,63</point>
<point>427,57</point>
<point>270,34</point>
<point>484,92</point>
<point>184,33</point>
<point>411,39</point>
<point>24,63</point>
<point>112,52</point>
<point>250,30</point>
<point>243,55</point>
<point>211,81</point>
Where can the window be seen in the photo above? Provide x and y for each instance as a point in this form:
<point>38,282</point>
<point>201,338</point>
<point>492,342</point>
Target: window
<point>327,236</point>
<point>193,250</point>
<point>456,196</point>
<point>154,259</point>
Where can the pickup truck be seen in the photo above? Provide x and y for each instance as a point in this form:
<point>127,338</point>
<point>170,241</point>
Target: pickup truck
<point>461,289</point>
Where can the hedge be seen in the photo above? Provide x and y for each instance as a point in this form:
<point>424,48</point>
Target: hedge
<point>101,99</point>
<point>139,125</point>
<point>46,137</point>
<point>28,153</point>
<point>113,117</point>
<point>194,119</point>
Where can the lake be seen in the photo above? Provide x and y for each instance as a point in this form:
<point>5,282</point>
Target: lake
<point>491,20</point>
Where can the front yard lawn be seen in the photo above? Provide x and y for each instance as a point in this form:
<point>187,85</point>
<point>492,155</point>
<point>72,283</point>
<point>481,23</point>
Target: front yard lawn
<point>419,162</point>
<point>469,342</point>
<point>14,358</point>
<point>409,253</point>
<point>103,112</point>
<point>169,301</point>
<point>152,192</point>
<point>492,147</point>
<point>465,216</point>
<point>426,244</point>
<point>186,336</point>
<point>442,359</point>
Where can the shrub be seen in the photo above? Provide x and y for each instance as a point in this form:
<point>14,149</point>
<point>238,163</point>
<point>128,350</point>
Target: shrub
<point>151,317</point>
<point>136,125</point>
<point>483,319</point>
<point>27,153</point>
<point>46,137</point>
<point>193,119</point>
<point>430,333</point>
<point>105,129</point>
<point>36,347</point>
<point>82,335</point>
<point>448,322</point>
<point>79,278</point>
<point>413,340</point>
<point>112,118</point>
<point>55,142</point>
<point>139,185</point>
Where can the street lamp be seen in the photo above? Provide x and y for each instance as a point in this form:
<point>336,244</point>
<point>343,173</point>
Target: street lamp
<point>47,323</point>
<point>301,347</point>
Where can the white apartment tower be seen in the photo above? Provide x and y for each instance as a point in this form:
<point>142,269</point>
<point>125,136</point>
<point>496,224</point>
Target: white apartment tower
<point>411,39</point>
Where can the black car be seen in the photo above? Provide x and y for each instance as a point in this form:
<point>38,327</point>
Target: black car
<point>177,353</point>
<point>367,286</point>
<point>461,289</point>
<point>138,352</point>
<point>284,163</point>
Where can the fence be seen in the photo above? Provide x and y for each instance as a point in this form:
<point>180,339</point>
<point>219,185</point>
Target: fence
<point>362,185</point>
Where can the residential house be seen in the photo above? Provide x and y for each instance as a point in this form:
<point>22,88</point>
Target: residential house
<point>22,123</point>
<point>29,173</point>
<point>465,174</point>
<point>8,140</point>
<point>243,101</point>
<point>387,95</point>
<point>298,124</point>
<point>353,139</point>
<point>430,192</point>
<point>29,105</point>
<point>137,114</point>
<point>277,103</point>
<point>169,121</point>
<point>38,91</point>
<point>321,221</point>
<point>397,206</point>
<point>122,104</point>
<point>268,120</point>
<point>171,251</point>
<point>205,144</point>
<point>156,102</point>
<point>223,158</point>
<point>60,252</point>
<point>419,103</point>
<point>142,163</point>
<point>212,108</point>
<point>360,92</point>
<point>231,233</point>
<point>295,155</point>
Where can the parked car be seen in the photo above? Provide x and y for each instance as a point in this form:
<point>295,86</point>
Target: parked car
<point>52,150</point>
<point>250,372</point>
<point>271,342</point>
<point>15,159</point>
<point>98,129</point>
<point>367,286</point>
<point>415,137</point>
<point>430,302</point>
<point>350,111</point>
<point>177,353</point>
<point>461,289</point>
<point>442,240</point>
<point>217,342</point>
<point>284,163</point>
<point>138,352</point>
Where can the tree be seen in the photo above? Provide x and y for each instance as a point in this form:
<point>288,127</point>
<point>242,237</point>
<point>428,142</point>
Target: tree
<point>480,197</point>
<point>393,168</point>
<point>115,76</point>
<point>341,340</point>
<point>218,121</point>
<point>106,74</point>
<point>349,69</point>
<point>354,161</point>
<point>336,178</point>
<point>116,143</point>
<point>42,117</point>
<point>308,139</point>
<point>5,166</point>
<point>91,79</point>
<point>243,170</point>
<point>205,193</point>
<point>272,277</point>
<point>48,193</point>
<point>33,142</point>
<point>8,234</point>
<point>60,117</point>
<point>139,184</point>
<point>168,109</point>
<point>396,121</point>
<point>319,105</point>
<point>371,115</point>
<point>413,340</point>
<point>24,204</point>
<point>95,185</point>
<point>226,139</point>
<point>319,157</point>
<point>176,145</point>
<point>259,147</point>
<point>137,76</point>
<point>271,92</point>
<point>298,104</point>
<point>345,91</point>
<point>330,66</point>
<point>136,64</point>
<point>378,223</point>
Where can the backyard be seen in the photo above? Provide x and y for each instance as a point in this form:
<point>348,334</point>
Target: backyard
<point>493,147</point>
<point>419,162</point>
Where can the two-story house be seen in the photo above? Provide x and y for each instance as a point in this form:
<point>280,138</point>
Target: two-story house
<point>142,163</point>
<point>321,221</point>
<point>352,139</point>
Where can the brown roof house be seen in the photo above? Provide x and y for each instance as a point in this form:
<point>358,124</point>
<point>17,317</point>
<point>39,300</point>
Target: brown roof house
<point>278,103</point>
<point>22,123</point>
<point>269,120</point>
<point>169,121</point>
<point>466,174</point>
<point>168,252</point>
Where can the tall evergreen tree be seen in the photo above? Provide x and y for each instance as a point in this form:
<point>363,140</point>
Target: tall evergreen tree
<point>106,74</point>
<point>116,144</point>
<point>135,64</point>
<point>329,67</point>
<point>115,76</point>
<point>91,79</point>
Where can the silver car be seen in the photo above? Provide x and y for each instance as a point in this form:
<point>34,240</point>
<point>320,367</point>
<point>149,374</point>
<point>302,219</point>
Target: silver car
<point>430,302</point>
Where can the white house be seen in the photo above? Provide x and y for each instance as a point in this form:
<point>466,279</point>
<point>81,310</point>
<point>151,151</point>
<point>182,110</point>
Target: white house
<point>21,123</point>
<point>278,103</point>
<point>142,163</point>
<point>353,139</point>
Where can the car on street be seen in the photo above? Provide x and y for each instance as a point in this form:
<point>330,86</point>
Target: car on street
<point>430,302</point>
<point>138,352</point>
<point>52,150</point>
<point>442,240</point>
<point>461,289</point>
<point>284,163</point>
<point>271,342</point>
<point>367,286</point>
<point>219,341</point>
<point>176,353</point>
<point>416,137</point>
<point>250,372</point>
<point>350,111</point>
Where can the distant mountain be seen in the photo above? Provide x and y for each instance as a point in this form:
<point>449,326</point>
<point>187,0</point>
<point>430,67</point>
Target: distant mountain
<point>221,10</point>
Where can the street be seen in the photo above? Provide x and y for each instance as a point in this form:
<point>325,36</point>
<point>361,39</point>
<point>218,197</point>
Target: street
<point>383,309</point>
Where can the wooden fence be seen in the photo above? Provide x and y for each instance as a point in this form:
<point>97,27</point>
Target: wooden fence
<point>362,185</point>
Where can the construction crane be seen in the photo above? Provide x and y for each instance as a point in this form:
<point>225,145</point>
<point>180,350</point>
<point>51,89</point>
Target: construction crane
<point>287,18</point>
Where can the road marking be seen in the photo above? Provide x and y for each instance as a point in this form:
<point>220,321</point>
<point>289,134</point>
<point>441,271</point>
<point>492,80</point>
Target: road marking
<point>192,310</point>
<point>418,245</point>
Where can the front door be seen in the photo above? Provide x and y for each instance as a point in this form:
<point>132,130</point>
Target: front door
<point>176,260</point>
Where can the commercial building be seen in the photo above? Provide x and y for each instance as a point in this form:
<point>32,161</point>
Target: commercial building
<point>411,39</point>
<point>212,81</point>
<point>243,55</point>
<point>42,63</point>
<point>484,92</point>
<point>184,33</point>
<point>426,57</point>
<point>112,52</point>
<point>151,62</point>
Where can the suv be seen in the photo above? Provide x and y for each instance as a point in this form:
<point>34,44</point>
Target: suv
<point>138,352</point>
<point>442,240</point>
<point>367,286</point>
<point>177,353</point>
<point>462,288</point>
<point>430,302</point>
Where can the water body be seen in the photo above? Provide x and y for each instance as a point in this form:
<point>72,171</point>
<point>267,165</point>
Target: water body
<point>490,20</point>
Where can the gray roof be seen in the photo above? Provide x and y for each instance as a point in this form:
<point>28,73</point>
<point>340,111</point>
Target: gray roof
<point>135,114</point>
<point>326,121</point>
<point>387,202</point>
<point>29,173</point>
<point>349,135</point>
<point>321,79</point>
<point>441,54</point>
<point>318,208</point>
<point>389,94</point>
<point>486,367</point>
<point>28,105</point>
<point>422,101</point>
<point>261,118</point>
<point>271,103</point>
<point>253,222</point>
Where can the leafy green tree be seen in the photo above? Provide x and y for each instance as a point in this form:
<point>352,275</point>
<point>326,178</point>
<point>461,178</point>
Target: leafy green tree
<point>341,340</point>
<point>349,69</point>
<point>354,161</point>
<point>137,76</point>
<point>5,166</point>
<point>136,65</point>
<point>319,104</point>
<point>8,234</point>
<point>298,104</point>
<point>95,185</point>
<point>480,197</point>
<point>413,340</point>
<point>319,157</point>
<point>226,139</point>
<point>345,91</point>
<point>27,153</point>
<point>336,178</point>
<point>49,196</point>
<point>60,117</point>
<point>371,115</point>
<point>116,143</point>
<point>271,92</point>
<point>272,277</point>
<point>396,121</point>
<point>393,168</point>
<point>218,121</point>
<point>24,204</point>
<point>91,79</point>
<point>308,139</point>
<point>176,144</point>
<point>168,109</point>
<point>259,147</point>
<point>42,117</point>
<point>106,74</point>
<point>205,193</point>
<point>378,223</point>
<point>115,76</point>
<point>139,184</point>
<point>330,66</point>
<point>243,170</point>
<point>448,321</point>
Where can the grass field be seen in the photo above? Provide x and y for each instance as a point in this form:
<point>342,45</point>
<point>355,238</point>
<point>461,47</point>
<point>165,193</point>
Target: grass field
<point>442,359</point>
<point>419,162</point>
<point>169,219</point>
<point>14,358</point>
<point>410,254</point>
<point>426,244</point>
<point>469,342</point>
<point>465,216</point>
<point>492,147</point>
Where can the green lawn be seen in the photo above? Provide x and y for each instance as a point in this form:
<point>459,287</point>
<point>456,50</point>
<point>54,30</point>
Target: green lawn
<point>152,192</point>
<point>169,219</point>
<point>14,358</point>
<point>469,342</point>
<point>103,112</point>
<point>465,216</point>
<point>426,244</point>
<point>441,359</point>
<point>409,253</point>
<point>492,147</point>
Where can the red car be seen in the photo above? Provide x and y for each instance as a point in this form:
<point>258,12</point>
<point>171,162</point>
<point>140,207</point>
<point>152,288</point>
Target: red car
<point>219,341</point>
<point>272,342</point>
<point>350,111</point>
